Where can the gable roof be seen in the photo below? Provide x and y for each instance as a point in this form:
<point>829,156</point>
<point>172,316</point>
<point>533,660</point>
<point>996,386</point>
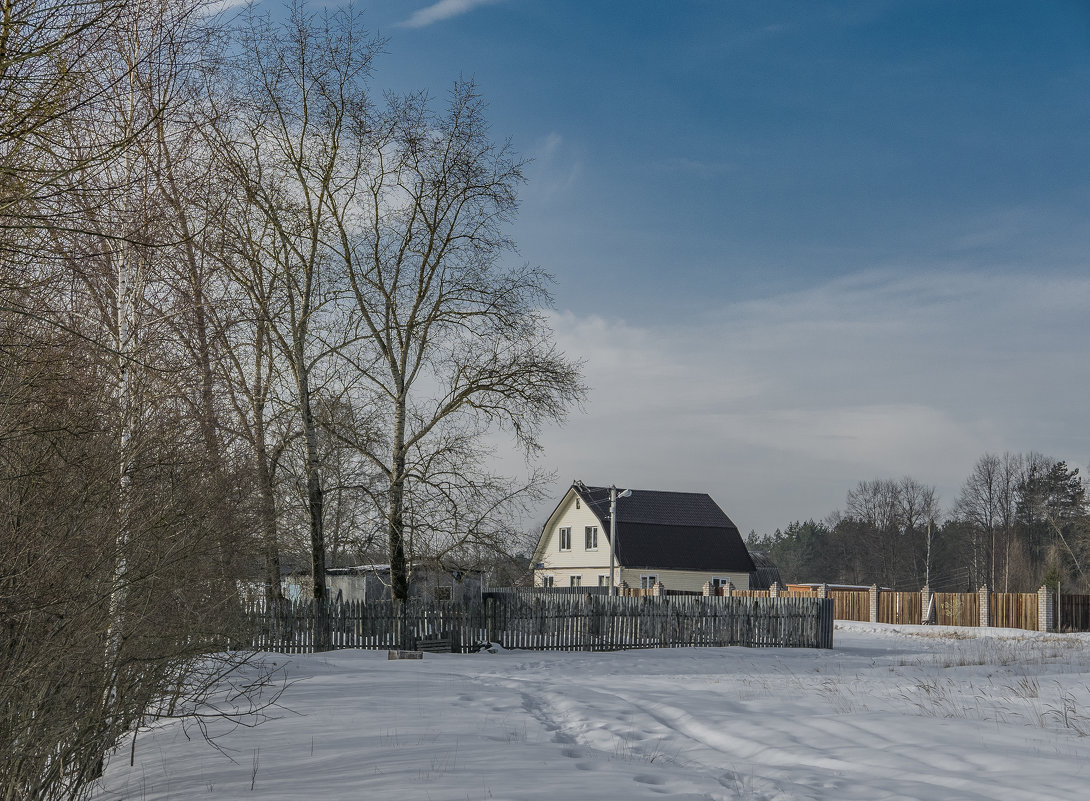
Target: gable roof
<point>670,530</point>
<point>656,507</point>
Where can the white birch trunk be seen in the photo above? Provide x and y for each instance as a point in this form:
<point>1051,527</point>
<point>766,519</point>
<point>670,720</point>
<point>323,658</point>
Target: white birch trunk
<point>125,324</point>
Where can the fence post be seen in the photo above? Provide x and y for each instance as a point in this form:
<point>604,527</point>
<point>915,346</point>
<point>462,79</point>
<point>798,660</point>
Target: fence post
<point>774,590</point>
<point>823,591</point>
<point>728,589</point>
<point>925,601</point>
<point>490,626</point>
<point>985,611</point>
<point>1046,620</point>
<point>659,590</point>
<point>828,613</point>
<point>873,592</point>
<point>707,589</point>
<point>622,589</point>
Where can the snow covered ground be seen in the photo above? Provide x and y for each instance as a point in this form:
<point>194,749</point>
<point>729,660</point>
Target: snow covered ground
<point>906,712</point>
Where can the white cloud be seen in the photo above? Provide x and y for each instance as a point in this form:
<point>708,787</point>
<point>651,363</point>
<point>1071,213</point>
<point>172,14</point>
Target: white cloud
<point>549,146</point>
<point>444,9</point>
<point>778,406</point>
<point>555,169</point>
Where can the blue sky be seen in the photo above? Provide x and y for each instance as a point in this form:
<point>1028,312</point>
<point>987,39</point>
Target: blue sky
<point>798,244</point>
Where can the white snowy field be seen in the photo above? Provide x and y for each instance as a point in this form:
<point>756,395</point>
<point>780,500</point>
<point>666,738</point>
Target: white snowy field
<point>906,712</point>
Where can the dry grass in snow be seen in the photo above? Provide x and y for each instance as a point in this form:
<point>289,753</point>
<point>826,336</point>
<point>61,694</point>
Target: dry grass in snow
<point>904,712</point>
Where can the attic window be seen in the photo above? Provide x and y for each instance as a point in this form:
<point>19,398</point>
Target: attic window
<point>577,502</point>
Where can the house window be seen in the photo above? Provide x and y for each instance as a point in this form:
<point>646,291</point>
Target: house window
<point>592,538</point>
<point>720,581</point>
<point>603,580</point>
<point>565,539</point>
<point>648,580</point>
<point>577,581</point>
<point>546,581</point>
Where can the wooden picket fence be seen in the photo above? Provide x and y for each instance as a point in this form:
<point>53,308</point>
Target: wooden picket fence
<point>544,623</point>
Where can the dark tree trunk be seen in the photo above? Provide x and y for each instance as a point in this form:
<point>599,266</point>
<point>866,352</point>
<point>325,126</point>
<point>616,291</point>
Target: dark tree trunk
<point>267,510</point>
<point>314,485</point>
<point>399,574</point>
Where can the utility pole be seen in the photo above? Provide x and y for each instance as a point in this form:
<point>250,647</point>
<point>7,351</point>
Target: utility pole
<point>927,566</point>
<point>613,496</point>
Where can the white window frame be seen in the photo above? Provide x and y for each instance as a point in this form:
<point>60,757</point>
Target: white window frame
<point>721,581</point>
<point>575,581</point>
<point>565,536</point>
<point>648,580</point>
<point>603,579</point>
<point>590,538</point>
<point>546,581</point>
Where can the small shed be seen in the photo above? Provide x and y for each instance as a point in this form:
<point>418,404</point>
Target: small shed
<point>372,583</point>
<point>765,573</point>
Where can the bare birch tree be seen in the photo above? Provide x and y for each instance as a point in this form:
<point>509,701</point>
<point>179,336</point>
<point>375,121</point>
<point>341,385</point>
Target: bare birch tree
<point>980,504</point>
<point>892,516</point>
<point>294,142</point>
<point>453,343</point>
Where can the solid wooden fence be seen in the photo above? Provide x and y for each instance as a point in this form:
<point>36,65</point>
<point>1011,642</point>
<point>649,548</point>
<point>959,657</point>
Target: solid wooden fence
<point>1013,610</point>
<point>1073,613</point>
<point>957,609</point>
<point>546,622</point>
<point>851,604</point>
<point>899,607</point>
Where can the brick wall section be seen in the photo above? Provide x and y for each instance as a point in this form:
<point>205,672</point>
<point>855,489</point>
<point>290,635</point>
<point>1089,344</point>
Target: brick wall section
<point>823,591</point>
<point>1046,610</point>
<point>659,590</point>
<point>774,590</point>
<point>985,607</point>
<point>873,603</point>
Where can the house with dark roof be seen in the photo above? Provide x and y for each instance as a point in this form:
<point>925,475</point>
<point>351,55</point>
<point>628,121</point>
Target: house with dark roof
<point>682,539</point>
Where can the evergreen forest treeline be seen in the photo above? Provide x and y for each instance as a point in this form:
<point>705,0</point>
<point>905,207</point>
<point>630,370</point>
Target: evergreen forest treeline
<point>1017,522</point>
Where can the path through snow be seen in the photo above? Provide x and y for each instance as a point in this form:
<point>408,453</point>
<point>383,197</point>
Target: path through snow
<point>890,713</point>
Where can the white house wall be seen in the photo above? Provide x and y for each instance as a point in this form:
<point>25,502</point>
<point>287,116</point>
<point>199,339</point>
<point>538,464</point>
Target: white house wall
<point>563,563</point>
<point>692,580</point>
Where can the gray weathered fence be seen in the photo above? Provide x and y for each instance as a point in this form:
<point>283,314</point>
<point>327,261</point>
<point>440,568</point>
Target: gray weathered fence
<point>546,623</point>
